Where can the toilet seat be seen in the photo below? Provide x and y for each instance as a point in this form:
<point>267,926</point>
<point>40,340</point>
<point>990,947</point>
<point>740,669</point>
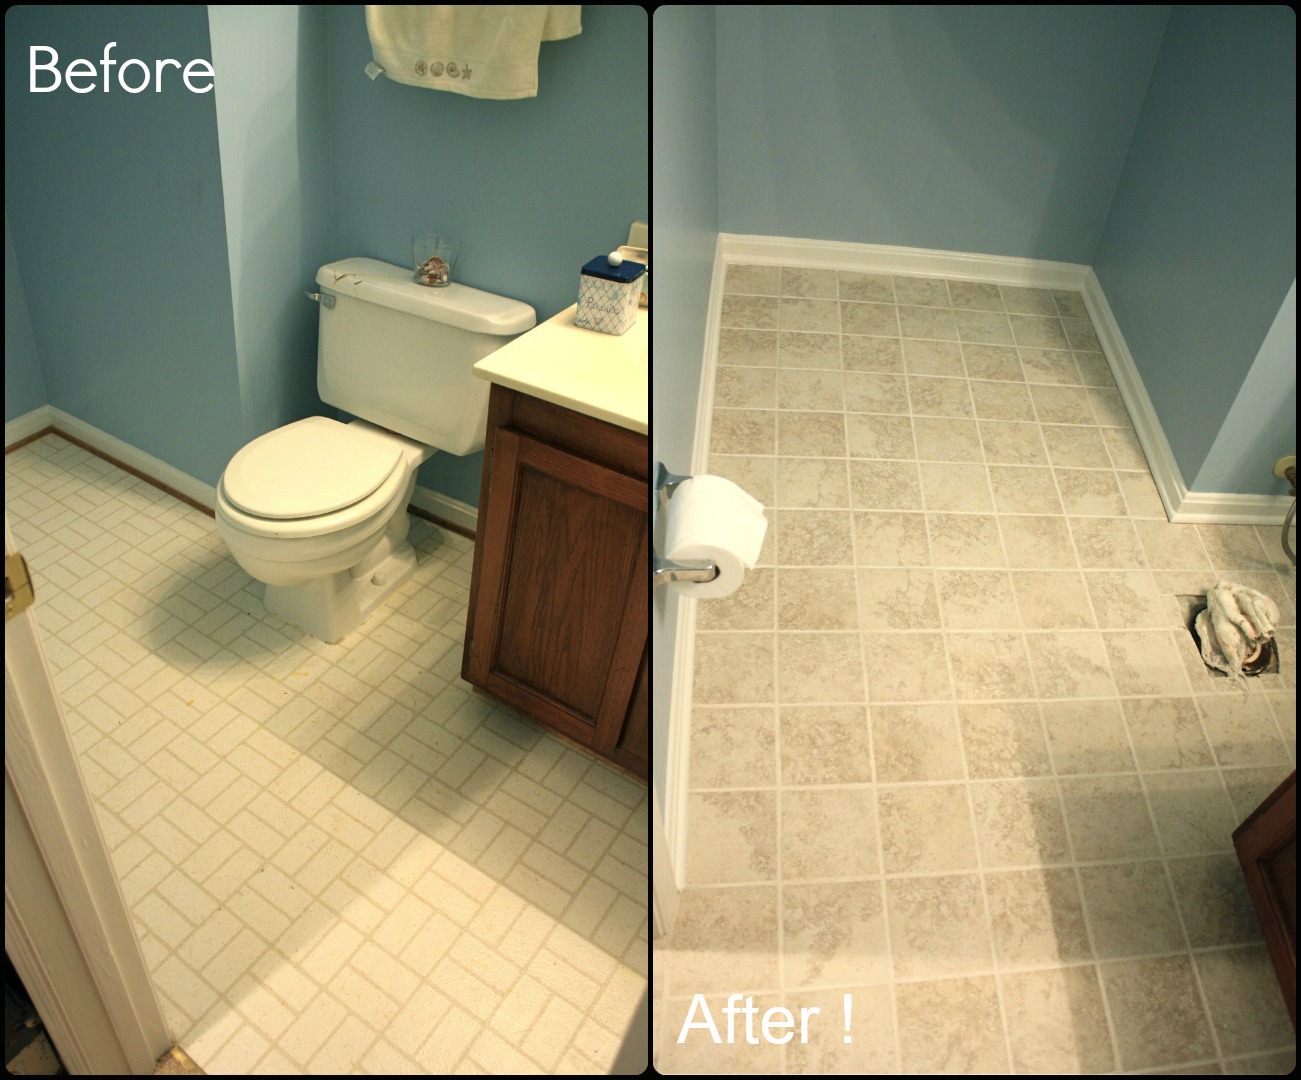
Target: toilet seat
<point>309,469</point>
<point>374,504</point>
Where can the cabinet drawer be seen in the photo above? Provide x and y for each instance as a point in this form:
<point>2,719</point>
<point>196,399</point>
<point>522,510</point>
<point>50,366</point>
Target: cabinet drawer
<point>594,440</point>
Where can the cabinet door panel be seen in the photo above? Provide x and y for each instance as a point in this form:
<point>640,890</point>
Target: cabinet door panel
<point>634,741</point>
<point>560,620</point>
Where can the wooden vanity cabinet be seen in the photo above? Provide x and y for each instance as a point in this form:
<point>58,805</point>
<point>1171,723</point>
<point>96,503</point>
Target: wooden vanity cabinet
<point>1266,847</point>
<point>558,599</point>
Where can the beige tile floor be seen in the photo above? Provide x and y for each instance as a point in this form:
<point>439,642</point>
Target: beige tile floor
<point>955,764</point>
<point>338,857</point>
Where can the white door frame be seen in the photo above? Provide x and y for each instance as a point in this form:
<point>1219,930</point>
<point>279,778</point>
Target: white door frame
<point>67,928</point>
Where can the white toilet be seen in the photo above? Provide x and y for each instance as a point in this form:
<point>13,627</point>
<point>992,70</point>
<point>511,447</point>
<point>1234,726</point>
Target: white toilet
<point>317,509</point>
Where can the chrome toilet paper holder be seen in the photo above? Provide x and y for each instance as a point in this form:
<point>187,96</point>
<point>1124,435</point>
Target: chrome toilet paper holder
<point>665,571</point>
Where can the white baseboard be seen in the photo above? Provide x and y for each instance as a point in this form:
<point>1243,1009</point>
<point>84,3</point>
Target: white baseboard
<point>1224,508</point>
<point>1151,436</point>
<point>154,468</point>
<point>886,259</point>
<point>1183,507</point>
<point>709,362</point>
<point>665,886</point>
<point>677,773</point>
<point>677,777</point>
<point>432,502</point>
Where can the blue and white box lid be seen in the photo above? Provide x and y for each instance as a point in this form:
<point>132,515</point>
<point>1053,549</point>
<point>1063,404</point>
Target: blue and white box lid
<point>608,295</point>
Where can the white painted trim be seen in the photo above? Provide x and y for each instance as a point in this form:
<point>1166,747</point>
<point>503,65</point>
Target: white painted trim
<point>67,927</point>
<point>1151,437</point>
<point>155,468</point>
<point>445,507</point>
<point>20,427</point>
<point>664,885</point>
<point>678,764</point>
<point>1228,509</point>
<point>36,928</point>
<point>677,777</point>
<point>885,259</point>
<point>709,363</point>
<point>1181,505</point>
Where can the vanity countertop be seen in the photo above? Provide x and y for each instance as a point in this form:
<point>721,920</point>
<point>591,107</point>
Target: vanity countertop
<point>600,375</point>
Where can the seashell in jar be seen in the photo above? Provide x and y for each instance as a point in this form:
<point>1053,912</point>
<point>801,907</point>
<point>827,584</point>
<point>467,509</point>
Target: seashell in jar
<point>433,271</point>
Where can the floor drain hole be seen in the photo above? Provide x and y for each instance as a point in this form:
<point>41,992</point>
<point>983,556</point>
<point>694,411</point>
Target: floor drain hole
<point>1264,660</point>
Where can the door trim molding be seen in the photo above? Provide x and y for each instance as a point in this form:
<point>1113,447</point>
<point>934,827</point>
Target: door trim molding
<point>67,927</point>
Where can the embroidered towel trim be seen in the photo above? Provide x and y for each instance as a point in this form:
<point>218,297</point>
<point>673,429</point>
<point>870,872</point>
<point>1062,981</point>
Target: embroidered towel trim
<point>479,50</point>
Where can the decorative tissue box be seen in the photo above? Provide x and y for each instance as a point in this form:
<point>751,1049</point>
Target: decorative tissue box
<point>608,295</point>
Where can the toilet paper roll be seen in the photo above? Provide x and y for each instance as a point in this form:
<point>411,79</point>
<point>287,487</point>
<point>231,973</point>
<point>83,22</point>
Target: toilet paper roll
<point>711,518</point>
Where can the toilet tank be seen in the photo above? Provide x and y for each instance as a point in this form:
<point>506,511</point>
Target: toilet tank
<point>400,354</point>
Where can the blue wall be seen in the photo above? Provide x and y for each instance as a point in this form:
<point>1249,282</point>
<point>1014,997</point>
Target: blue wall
<point>1199,249</point>
<point>114,201</point>
<point>204,217</point>
<point>999,130</point>
<point>1261,426</point>
<point>686,234</point>
<point>533,188</point>
<point>24,388</point>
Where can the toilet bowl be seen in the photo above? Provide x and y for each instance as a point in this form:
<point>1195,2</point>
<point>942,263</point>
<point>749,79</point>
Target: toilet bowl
<point>317,511</point>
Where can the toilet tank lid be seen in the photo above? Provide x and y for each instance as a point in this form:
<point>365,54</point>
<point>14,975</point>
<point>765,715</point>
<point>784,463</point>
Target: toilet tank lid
<point>454,305</point>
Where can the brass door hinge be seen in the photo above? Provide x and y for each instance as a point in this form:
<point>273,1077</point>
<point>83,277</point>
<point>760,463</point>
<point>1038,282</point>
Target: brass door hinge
<point>19,592</point>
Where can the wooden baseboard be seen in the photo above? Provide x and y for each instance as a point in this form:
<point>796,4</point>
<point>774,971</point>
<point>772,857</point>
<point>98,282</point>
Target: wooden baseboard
<point>130,459</point>
<point>442,510</point>
<point>442,523</point>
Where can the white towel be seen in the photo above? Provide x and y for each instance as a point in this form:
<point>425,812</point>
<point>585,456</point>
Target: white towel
<point>1236,621</point>
<point>480,50</point>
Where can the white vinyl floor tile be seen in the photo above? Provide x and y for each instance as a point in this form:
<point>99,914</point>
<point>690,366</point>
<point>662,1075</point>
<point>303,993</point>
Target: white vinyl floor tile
<point>340,858</point>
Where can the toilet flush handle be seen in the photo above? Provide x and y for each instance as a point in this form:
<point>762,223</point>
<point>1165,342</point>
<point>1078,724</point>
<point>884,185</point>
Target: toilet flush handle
<point>322,298</point>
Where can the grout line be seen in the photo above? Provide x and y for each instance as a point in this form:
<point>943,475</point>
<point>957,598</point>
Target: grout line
<point>1162,856</point>
<point>975,829</point>
<point>992,972</point>
<point>1071,863</point>
<point>868,704</point>
<point>880,843</point>
<point>778,800</point>
<point>1085,909</point>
